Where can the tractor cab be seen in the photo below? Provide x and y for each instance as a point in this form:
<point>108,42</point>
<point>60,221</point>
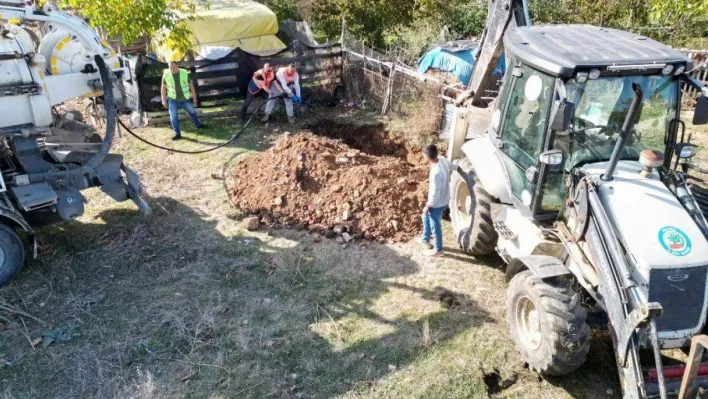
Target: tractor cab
<point>565,98</point>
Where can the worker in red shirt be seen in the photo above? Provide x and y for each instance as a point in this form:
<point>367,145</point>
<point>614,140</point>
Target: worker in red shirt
<point>290,85</point>
<point>261,81</point>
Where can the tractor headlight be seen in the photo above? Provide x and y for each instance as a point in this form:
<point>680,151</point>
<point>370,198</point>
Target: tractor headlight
<point>594,74</point>
<point>667,69</point>
<point>680,70</point>
<point>686,150</point>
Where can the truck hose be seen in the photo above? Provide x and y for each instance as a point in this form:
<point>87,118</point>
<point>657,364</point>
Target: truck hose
<point>97,158</point>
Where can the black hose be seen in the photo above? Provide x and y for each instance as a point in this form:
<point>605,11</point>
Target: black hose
<point>230,141</point>
<point>98,157</point>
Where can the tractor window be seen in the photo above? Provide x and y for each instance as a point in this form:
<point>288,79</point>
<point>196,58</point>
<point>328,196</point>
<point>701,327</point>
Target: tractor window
<point>524,127</point>
<point>526,117</point>
<point>602,105</point>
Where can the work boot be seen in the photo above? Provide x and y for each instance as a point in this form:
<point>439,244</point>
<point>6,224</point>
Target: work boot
<point>435,254</point>
<point>265,119</point>
<point>291,119</point>
<point>177,137</point>
<point>426,244</point>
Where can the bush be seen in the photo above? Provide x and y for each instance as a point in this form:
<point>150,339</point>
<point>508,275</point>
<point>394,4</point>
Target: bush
<point>284,9</point>
<point>469,19</point>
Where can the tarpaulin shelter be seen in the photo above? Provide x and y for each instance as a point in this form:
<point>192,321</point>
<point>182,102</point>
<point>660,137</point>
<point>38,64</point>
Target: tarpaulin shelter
<point>456,58</point>
<point>224,26</point>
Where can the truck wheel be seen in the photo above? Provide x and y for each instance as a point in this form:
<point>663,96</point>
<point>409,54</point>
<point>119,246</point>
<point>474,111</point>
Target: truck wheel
<point>547,324</point>
<point>471,211</point>
<point>12,254</point>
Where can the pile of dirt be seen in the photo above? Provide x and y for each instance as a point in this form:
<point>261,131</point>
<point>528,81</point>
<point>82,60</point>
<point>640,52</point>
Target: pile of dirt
<point>356,183</point>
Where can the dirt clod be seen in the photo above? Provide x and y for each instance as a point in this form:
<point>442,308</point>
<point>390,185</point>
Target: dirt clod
<point>251,223</point>
<point>377,194</point>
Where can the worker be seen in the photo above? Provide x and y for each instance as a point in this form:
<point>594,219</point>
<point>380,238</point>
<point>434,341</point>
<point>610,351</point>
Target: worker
<point>177,91</point>
<point>261,80</point>
<point>438,197</point>
<point>290,90</point>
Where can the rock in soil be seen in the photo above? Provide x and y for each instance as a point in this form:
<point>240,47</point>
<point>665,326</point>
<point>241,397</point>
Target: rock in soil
<point>251,223</point>
<point>378,194</point>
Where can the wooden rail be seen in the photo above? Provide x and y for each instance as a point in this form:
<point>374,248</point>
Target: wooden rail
<point>320,68</point>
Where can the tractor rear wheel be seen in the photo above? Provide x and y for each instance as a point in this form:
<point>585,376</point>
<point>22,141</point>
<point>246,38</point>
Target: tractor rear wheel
<point>12,254</point>
<point>471,211</point>
<point>547,323</point>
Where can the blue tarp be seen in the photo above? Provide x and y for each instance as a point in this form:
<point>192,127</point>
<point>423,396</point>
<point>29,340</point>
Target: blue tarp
<point>457,62</point>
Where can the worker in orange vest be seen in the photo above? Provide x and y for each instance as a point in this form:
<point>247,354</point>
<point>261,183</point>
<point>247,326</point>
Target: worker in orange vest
<point>261,80</point>
<point>290,85</point>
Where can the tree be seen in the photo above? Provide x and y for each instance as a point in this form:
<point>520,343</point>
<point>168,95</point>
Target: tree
<point>368,20</point>
<point>133,19</point>
<point>284,9</point>
<point>684,18</point>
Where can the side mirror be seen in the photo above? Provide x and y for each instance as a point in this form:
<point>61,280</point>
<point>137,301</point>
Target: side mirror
<point>551,157</point>
<point>563,115</point>
<point>700,117</point>
<point>686,150</point>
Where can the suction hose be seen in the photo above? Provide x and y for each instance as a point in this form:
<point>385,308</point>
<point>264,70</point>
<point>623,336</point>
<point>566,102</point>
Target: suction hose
<point>97,158</point>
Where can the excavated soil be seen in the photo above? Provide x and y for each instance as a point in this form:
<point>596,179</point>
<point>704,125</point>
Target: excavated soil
<point>358,182</point>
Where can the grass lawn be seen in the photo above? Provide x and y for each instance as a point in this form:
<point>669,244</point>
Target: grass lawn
<point>186,304</point>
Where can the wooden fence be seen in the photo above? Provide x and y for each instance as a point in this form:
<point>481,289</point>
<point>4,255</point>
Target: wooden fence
<point>700,70</point>
<point>319,67</point>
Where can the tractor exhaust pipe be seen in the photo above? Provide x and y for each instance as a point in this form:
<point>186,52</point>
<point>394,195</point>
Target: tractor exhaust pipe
<point>624,133</point>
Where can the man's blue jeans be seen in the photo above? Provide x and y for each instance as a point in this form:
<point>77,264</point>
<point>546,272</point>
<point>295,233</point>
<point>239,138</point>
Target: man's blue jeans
<point>173,106</point>
<point>432,223</point>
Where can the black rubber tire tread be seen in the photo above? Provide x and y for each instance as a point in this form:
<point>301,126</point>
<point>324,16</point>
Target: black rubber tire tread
<point>479,238</point>
<point>14,254</point>
<point>566,335</point>
<point>42,217</point>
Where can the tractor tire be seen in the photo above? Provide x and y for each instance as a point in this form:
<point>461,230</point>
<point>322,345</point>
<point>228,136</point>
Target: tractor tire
<point>12,254</point>
<point>547,323</point>
<point>471,211</point>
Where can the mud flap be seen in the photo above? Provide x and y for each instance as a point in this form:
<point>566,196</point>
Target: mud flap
<point>108,176</point>
<point>134,189</point>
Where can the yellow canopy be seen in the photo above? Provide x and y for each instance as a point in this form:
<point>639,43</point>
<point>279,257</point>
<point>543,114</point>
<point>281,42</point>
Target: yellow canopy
<point>229,23</point>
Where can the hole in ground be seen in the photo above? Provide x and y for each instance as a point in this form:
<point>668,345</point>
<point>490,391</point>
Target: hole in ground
<point>495,383</point>
<point>369,139</point>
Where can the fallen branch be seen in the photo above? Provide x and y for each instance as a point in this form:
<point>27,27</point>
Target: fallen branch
<point>13,310</point>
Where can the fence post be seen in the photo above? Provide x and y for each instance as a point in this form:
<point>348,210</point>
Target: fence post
<point>298,53</point>
<point>389,90</point>
<point>195,82</point>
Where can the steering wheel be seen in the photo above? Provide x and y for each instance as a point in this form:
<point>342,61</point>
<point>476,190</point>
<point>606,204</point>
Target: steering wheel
<point>589,128</point>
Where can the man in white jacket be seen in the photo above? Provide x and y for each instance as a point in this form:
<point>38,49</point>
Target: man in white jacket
<point>438,198</point>
<point>289,80</point>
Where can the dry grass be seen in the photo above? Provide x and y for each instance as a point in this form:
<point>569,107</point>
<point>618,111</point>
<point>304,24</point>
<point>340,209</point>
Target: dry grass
<point>186,304</point>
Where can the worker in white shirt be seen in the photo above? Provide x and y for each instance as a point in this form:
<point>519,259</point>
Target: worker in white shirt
<point>290,83</point>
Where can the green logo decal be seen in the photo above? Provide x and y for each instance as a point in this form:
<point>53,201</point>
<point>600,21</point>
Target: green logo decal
<point>674,241</point>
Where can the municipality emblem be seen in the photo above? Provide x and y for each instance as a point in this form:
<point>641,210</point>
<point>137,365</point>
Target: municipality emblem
<point>674,241</point>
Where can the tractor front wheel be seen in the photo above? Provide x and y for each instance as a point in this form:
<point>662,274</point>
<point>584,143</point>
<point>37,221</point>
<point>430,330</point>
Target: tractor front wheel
<point>547,323</point>
<point>12,254</point>
<point>471,211</point>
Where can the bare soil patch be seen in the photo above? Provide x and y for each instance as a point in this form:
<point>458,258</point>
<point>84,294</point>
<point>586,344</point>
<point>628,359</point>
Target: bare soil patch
<point>358,180</point>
